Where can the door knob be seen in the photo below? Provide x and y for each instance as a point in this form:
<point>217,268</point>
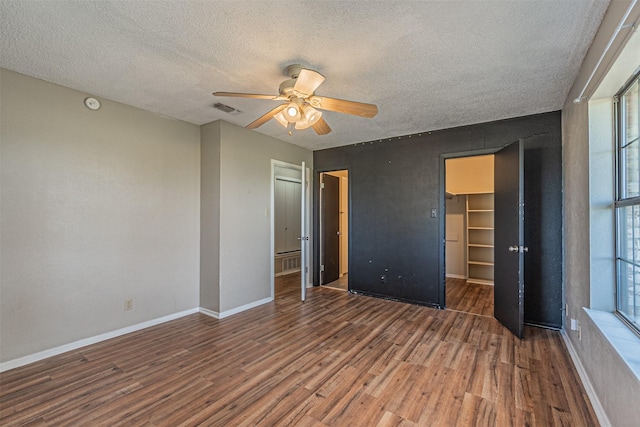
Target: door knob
<point>513,249</point>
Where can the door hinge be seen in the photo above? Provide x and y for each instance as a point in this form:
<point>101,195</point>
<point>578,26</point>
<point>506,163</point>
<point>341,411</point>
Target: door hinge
<point>321,185</point>
<point>322,267</point>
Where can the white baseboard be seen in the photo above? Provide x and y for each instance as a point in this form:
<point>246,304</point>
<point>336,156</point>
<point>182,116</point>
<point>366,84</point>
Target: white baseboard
<point>235,310</point>
<point>210,313</point>
<point>586,382</point>
<point>456,276</point>
<point>25,360</point>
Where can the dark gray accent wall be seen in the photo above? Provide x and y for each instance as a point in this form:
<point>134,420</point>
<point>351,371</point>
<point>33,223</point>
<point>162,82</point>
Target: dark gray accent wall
<point>543,296</point>
<point>396,247</point>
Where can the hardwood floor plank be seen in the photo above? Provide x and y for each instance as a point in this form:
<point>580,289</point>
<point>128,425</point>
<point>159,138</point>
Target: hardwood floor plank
<point>337,402</point>
<point>439,392</point>
<point>336,359</point>
<point>412,387</point>
<point>74,412</point>
<point>390,419</point>
<point>260,401</point>
<point>382,380</point>
<point>469,297</point>
<point>476,411</point>
<point>52,398</point>
<point>280,412</point>
<point>349,411</point>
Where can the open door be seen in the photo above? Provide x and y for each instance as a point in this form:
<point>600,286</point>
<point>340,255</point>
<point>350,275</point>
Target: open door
<point>509,237</point>
<point>304,239</point>
<point>330,228</point>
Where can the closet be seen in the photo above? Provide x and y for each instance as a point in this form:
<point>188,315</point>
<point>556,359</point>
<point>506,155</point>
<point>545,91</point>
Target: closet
<point>469,233</point>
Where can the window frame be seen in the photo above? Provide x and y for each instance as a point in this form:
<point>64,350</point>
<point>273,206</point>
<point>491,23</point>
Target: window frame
<point>621,199</point>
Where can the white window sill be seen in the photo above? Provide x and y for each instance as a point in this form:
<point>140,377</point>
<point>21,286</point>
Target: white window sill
<point>622,339</point>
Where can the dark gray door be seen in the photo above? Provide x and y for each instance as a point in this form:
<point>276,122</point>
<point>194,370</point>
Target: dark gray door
<point>509,238</point>
<point>331,228</point>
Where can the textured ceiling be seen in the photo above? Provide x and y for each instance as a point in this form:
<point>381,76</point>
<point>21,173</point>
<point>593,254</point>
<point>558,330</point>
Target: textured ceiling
<point>426,64</point>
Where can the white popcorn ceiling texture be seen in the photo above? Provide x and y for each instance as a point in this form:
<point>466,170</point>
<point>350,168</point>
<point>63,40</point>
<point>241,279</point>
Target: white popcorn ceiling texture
<point>427,64</point>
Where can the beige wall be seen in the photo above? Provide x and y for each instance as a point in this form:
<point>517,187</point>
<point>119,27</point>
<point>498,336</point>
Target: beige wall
<point>616,388</point>
<point>97,206</point>
<point>210,217</point>
<point>245,195</point>
<point>103,206</point>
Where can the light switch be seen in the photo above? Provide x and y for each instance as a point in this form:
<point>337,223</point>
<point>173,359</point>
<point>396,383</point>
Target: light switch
<point>434,213</point>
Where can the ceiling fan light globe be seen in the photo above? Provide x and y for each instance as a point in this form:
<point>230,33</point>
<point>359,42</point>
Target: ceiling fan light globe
<point>312,115</point>
<point>281,119</point>
<point>302,124</point>
<point>292,113</point>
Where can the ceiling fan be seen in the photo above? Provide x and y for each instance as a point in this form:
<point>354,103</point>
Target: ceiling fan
<point>301,102</point>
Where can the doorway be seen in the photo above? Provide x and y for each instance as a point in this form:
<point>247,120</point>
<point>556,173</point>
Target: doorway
<point>289,230</point>
<point>469,234</point>
<point>524,252</point>
<point>334,229</point>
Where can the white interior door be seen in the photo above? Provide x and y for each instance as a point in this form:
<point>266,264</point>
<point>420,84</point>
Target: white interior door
<point>304,238</point>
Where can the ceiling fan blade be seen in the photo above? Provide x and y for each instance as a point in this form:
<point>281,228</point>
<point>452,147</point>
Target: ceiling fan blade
<point>262,120</point>
<point>321,127</point>
<point>248,95</point>
<point>342,106</point>
<point>308,81</point>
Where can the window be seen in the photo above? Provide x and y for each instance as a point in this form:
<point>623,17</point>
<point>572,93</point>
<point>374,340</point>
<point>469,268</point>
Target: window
<point>627,202</point>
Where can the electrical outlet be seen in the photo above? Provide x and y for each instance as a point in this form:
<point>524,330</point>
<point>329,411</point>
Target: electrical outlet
<point>574,325</point>
<point>128,304</point>
<point>579,332</point>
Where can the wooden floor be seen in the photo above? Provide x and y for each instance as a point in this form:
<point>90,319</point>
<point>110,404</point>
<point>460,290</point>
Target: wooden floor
<point>342,283</point>
<point>336,360</point>
<point>469,297</point>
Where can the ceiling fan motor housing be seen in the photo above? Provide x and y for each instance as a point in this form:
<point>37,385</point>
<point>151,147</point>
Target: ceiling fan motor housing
<point>286,87</point>
<point>293,70</point>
